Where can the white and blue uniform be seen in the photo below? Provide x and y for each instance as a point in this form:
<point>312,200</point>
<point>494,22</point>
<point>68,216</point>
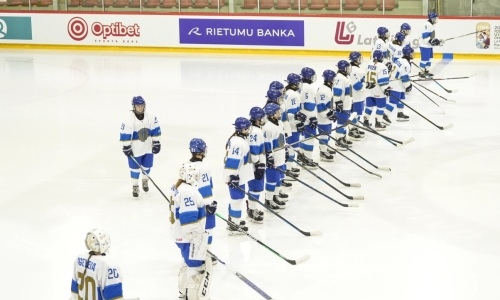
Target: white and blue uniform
<point>399,85</point>
<point>292,106</point>
<point>102,280</point>
<point>396,51</point>
<point>205,187</point>
<point>342,91</point>
<point>140,134</point>
<point>381,45</point>
<point>237,162</point>
<point>257,154</point>
<point>308,108</point>
<point>358,78</point>
<point>324,104</point>
<point>274,143</point>
<point>426,50</point>
<point>376,73</point>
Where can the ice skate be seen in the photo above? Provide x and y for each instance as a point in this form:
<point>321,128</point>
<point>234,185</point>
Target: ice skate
<point>386,120</point>
<point>402,117</point>
<point>278,202</point>
<point>272,205</point>
<point>367,124</point>
<point>290,176</point>
<point>254,216</point>
<point>282,196</point>
<point>236,229</point>
<point>359,132</point>
<point>379,126</point>
<point>286,184</point>
<point>135,191</point>
<point>353,135</point>
<point>342,144</point>
<point>325,156</point>
<point>145,186</point>
<point>425,74</point>
<point>307,162</point>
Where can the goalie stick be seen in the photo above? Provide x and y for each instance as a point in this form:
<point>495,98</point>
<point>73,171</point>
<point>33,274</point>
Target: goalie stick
<point>306,233</point>
<point>326,182</point>
<point>387,138</point>
<point>290,261</point>
<point>323,194</point>
<point>422,86</point>
<point>447,90</point>
<point>242,278</point>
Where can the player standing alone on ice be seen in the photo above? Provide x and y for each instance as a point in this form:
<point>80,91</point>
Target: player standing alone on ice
<point>140,135</point>
<point>94,275</point>
<point>427,41</point>
<point>187,216</point>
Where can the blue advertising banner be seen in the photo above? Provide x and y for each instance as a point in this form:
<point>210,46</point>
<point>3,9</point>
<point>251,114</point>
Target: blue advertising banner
<point>241,32</point>
<point>15,28</point>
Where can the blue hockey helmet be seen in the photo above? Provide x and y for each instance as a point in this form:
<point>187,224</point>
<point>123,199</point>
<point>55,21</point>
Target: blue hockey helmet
<point>197,146</point>
<point>405,28</point>
<point>293,78</point>
<point>355,57</point>
<point>276,85</point>
<point>256,113</point>
<point>433,17</point>
<point>344,66</point>
<point>274,95</point>
<point>408,51</point>
<point>399,36</point>
<point>308,74</point>
<point>378,56</point>
<point>328,75</point>
<point>383,32</point>
<point>241,124</point>
<point>138,100</point>
<point>271,109</point>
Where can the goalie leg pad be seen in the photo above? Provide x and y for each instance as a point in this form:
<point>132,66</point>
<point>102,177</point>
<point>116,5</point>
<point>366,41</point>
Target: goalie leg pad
<point>199,281</point>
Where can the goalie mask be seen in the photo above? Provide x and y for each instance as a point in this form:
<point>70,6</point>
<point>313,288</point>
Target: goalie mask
<point>98,241</point>
<point>190,173</point>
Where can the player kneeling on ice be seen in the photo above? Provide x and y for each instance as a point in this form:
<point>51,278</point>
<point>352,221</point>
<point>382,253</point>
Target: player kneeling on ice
<point>140,135</point>
<point>238,170</point>
<point>187,216</point>
<point>95,276</point>
<point>401,85</point>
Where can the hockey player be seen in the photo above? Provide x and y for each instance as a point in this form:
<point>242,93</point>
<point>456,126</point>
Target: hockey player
<point>95,276</point>
<point>381,45</point>
<point>396,47</point>
<point>401,85</point>
<point>427,41</point>
<point>406,30</point>
<point>342,98</point>
<point>258,158</point>
<point>198,149</point>
<point>308,108</point>
<point>276,154</point>
<point>357,77</point>
<point>378,88</point>
<point>238,170</point>
<point>326,115</point>
<point>187,216</point>
<point>140,135</point>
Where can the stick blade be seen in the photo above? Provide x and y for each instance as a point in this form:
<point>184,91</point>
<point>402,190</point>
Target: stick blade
<point>358,198</point>
<point>447,126</point>
<point>354,185</point>
<point>410,140</point>
<point>385,169</point>
<point>302,259</point>
<point>353,205</point>
<point>315,233</point>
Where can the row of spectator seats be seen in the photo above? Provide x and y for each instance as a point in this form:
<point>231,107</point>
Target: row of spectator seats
<point>247,4</point>
<point>27,2</point>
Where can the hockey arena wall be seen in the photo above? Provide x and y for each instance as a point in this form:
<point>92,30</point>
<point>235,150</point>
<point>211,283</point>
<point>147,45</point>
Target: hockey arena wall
<point>303,35</point>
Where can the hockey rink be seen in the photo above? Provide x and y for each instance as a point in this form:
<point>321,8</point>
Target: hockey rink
<point>428,229</point>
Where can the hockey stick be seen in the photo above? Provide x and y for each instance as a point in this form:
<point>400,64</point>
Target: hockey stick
<point>349,149</point>
<point>323,194</point>
<point>461,36</point>
<point>344,183</point>
<point>290,261</point>
<point>448,78</point>
<point>293,262</point>
<point>450,100</point>
<point>440,127</point>
<point>370,130</point>
<point>447,90</point>
<point>326,182</point>
<point>420,91</point>
<point>243,278</point>
<point>306,233</point>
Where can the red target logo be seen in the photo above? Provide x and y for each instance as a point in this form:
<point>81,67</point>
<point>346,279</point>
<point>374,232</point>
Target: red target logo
<point>77,29</point>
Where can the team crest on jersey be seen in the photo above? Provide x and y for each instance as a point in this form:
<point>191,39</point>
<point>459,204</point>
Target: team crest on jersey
<point>143,134</point>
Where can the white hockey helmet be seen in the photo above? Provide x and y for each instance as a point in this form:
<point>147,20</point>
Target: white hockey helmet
<point>98,241</point>
<point>190,173</point>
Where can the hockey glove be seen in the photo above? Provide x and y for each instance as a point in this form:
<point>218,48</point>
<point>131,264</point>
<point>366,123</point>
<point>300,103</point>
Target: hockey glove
<point>211,208</point>
<point>387,91</point>
<point>156,147</point>
<point>370,85</point>
<point>287,153</point>
<point>260,169</point>
<point>408,88</point>
<point>313,122</point>
<point>300,117</point>
<point>128,150</point>
<point>331,115</point>
<point>389,66</point>
<point>269,160</point>
<point>339,106</point>
<point>234,181</point>
<point>434,42</point>
<point>301,127</point>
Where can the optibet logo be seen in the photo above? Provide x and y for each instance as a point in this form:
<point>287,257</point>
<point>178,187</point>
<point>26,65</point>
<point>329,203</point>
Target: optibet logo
<point>343,38</point>
<point>78,30</point>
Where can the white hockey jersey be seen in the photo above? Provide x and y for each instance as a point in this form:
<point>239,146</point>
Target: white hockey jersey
<point>140,133</point>
<point>402,77</point>
<point>102,279</point>
<point>237,160</point>
<point>274,141</point>
<point>342,90</point>
<point>324,98</point>
<point>378,74</point>
<point>307,101</point>
<point>187,212</point>
<point>205,184</point>
<point>358,79</point>
<point>381,45</point>
<point>257,152</point>
<point>292,105</point>
<point>427,34</point>
<point>396,51</point>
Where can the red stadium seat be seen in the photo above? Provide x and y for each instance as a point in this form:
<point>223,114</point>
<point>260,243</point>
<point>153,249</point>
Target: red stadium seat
<point>200,3</point>
<point>317,4</point>
<point>217,3</point>
<point>266,4</point>
<point>283,4</point>
<point>303,4</point>
<point>248,4</point>
<point>168,3</point>
<point>351,4</point>
<point>369,5</point>
<point>389,4</point>
<point>333,5</point>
